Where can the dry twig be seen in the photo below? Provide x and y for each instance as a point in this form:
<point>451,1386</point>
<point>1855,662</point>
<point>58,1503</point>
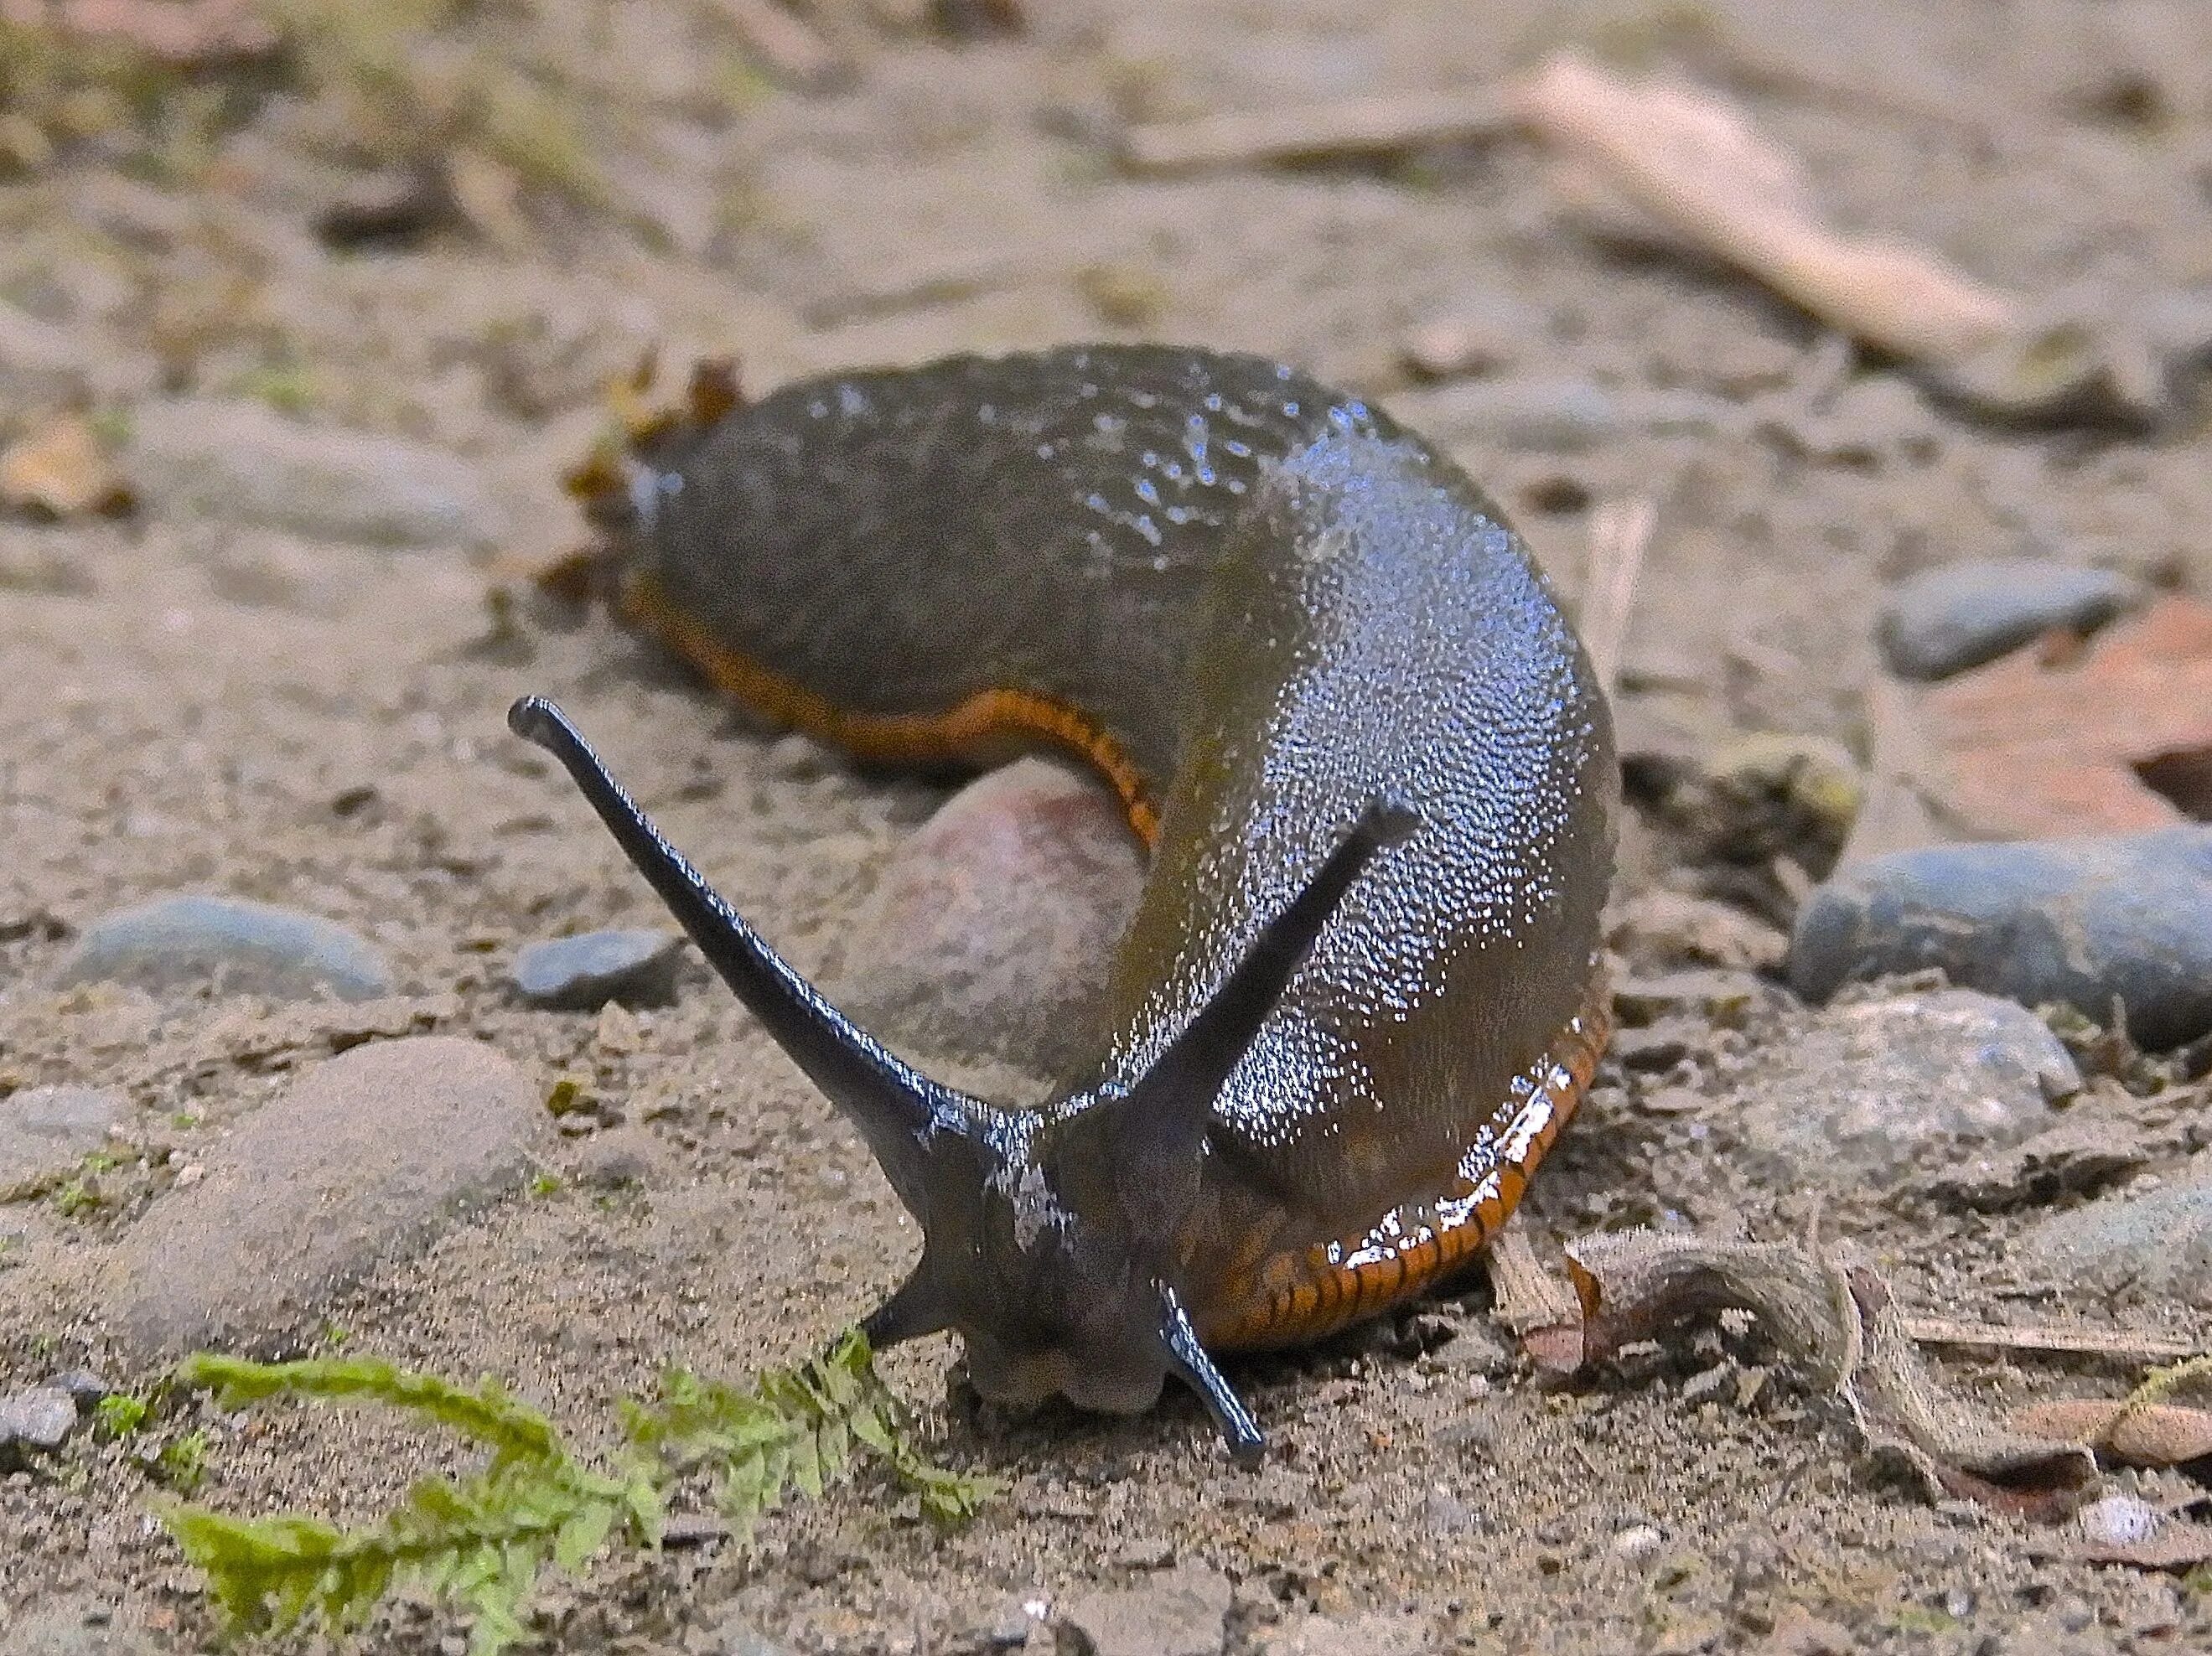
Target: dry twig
<point>1356,126</point>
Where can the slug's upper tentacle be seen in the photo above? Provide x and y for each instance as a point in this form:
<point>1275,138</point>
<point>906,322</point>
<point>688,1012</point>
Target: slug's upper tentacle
<point>1153,1134</point>
<point>897,1108</point>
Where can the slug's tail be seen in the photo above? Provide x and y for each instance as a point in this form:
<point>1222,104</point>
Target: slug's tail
<point>898,1110</point>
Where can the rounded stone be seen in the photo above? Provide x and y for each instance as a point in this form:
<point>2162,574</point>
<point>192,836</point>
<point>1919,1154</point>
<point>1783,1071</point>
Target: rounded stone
<point>583,974</point>
<point>362,1160</point>
<point>40,1418</point>
<point>242,462</point>
<point>2157,1242</point>
<point>1859,1095</point>
<point>993,930</point>
<point>1958,616</point>
<point>2081,922</point>
<point>228,945</point>
<point>42,1128</point>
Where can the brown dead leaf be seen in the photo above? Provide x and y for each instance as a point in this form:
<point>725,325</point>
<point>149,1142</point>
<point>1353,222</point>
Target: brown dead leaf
<point>2143,1434</point>
<point>2022,749</point>
<point>187,33</point>
<point>1842,1322</point>
<point>1661,160</point>
<point>61,471</point>
<point>1533,1304</point>
<point>1691,165</point>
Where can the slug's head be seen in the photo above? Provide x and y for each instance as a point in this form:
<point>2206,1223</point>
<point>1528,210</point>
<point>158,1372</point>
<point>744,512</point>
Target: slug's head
<point>1053,1238</point>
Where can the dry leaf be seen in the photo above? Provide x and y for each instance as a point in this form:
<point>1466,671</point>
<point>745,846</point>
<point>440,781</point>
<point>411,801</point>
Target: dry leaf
<point>61,471</point>
<point>2024,748</point>
<point>2143,1434</point>
<point>1666,162</point>
<point>1843,1323</point>
<point>1693,165</point>
<point>1534,1305</point>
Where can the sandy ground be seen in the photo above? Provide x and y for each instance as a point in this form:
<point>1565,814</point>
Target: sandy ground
<point>185,703</point>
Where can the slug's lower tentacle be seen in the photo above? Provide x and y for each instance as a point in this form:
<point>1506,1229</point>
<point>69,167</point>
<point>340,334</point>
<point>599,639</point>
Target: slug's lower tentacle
<point>1188,1362</point>
<point>916,1308</point>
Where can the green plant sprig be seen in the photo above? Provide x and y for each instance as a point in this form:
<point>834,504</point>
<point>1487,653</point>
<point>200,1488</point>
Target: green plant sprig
<point>485,1541</point>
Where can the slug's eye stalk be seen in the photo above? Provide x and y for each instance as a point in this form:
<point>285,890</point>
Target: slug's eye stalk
<point>1050,1236</point>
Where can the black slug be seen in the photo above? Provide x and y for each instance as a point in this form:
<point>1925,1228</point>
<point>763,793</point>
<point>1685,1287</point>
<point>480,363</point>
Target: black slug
<point>1361,993</point>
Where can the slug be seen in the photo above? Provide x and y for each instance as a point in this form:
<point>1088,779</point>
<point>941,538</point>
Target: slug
<point>1361,993</point>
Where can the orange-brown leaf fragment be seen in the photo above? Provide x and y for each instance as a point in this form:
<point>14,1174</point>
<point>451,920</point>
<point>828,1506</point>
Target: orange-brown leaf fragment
<point>2116,740</point>
<point>1691,166</point>
<point>61,471</point>
<point>2143,1434</point>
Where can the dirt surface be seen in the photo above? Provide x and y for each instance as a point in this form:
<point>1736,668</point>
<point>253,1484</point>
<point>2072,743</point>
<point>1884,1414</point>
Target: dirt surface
<point>195,703</point>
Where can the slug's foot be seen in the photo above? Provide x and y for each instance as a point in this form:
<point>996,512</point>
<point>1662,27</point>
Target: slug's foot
<point>1188,1362</point>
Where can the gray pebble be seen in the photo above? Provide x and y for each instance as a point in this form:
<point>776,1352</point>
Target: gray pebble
<point>2158,1241</point>
<point>1958,616</point>
<point>1179,1613</point>
<point>1859,1095</point>
<point>583,974</point>
<point>2077,921</point>
<point>364,1159</point>
<point>40,1419</point>
<point>44,1128</point>
<point>242,462</point>
<point>234,946</point>
<point>41,363</point>
<point>83,1386</point>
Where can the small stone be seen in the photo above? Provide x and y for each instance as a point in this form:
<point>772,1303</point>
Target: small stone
<point>230,945</point>
<point>1958,616</point>
<point>611,1159</point>
<point>2117,1520</point>
<point>1147,1553</point>
<point>1654,1050</point>
<point>583,974</point>
<point>42,363</point>
<point>1723,995</point>
<point>363,1160</point>
<point>40,1419</point>
<point>2083,922</point>
<point>84,1387</point>
<point>2157,1241</point>
<point>1444,1514</point>
<point>1179,1613</point>
<point>242,462</point>
<point>1010,1627</point>
<point>44,1128</point>
<point>687,1530</point>
<point>1637,1542</point>
<point>995,925</point>
<point>1862,1092</point>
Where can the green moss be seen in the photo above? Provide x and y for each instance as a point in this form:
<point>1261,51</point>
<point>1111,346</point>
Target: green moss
<point>120,1414</point>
